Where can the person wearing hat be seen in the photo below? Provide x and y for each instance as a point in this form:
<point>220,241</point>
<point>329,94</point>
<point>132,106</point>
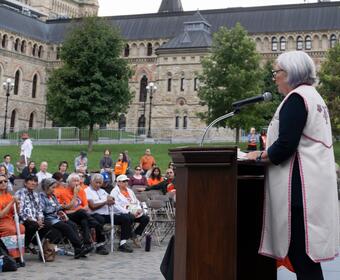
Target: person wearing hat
<point>126,203</point>
<point>55,218</point>
<point>81,160</point>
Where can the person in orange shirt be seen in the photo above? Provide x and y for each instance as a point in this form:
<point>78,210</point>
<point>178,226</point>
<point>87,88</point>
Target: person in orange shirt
<point>73,198</point>
<point>155,177</point>
<point>121,165</point>
<point>147,161</point>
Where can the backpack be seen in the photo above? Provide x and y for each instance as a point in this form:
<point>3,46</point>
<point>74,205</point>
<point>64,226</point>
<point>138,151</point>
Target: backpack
<point>9,264</point>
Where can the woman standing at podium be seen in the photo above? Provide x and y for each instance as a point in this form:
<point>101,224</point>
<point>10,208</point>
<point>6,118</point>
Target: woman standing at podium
<point>301,209</point>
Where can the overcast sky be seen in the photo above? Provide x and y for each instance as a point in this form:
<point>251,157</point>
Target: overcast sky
<point>128,7</point>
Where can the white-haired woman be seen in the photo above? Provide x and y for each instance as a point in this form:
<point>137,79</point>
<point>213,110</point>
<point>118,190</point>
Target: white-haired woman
<point>301,208</point>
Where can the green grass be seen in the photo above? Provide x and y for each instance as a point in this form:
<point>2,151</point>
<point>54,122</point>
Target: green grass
<point>55,153</point>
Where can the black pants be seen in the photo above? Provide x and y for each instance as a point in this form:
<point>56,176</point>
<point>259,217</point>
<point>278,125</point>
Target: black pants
<point>31,228</point>
<point>86,222</point>
<point>143,222</point>
<point>119,219</point>
<point>70,231</point>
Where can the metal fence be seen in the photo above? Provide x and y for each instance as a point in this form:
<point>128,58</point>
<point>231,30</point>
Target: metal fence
<point>129,135</point>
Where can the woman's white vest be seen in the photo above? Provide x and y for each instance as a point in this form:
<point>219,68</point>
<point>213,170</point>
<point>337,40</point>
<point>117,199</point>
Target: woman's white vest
<point>319,187</point>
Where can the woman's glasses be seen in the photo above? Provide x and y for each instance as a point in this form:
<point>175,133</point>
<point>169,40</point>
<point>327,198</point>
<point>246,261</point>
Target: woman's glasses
<point>274,72</point>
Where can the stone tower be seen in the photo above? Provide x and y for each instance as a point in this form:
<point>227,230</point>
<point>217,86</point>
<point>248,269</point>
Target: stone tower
<point>170,6</point>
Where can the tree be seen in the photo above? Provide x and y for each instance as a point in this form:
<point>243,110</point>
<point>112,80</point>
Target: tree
<point>230,73</point>
<point>91,87</point>
<point>329,86</point>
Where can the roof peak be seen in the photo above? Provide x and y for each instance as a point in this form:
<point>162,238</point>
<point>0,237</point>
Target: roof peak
<point>170,6</point>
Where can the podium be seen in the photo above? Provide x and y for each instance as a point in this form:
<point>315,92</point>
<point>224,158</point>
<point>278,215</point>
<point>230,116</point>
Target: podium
<point>219,205</point>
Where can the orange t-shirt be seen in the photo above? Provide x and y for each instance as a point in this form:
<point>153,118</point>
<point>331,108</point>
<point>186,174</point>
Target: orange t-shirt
<point>147,161</point>
<point>65,195</point>
<point>120,168</point>
<point>5,199</point>
<point>152,182</point>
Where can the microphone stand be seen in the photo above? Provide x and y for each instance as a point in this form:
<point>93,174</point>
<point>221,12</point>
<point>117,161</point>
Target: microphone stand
<point>226,116</point>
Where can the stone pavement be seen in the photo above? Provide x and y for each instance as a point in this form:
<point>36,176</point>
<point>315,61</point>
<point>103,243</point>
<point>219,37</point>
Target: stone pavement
<point>139,265</point>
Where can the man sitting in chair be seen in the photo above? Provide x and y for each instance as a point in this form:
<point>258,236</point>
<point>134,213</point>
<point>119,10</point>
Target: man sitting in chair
<point>100,203</point>
<point>126,203</point>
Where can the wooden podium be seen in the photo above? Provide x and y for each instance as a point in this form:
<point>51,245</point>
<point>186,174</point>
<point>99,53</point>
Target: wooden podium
<point>219,205</point>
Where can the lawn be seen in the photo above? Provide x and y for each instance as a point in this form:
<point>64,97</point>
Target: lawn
<point>55,153</point>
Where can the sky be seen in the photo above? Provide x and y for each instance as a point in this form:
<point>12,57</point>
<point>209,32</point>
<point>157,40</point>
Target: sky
<point>129,7</point>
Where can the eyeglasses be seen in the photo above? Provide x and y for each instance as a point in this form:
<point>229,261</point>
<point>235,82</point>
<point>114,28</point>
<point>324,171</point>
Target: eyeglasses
<point>138,169</point>
<point>274,72</point>
<point>169,173</point>
<point>3,181</point>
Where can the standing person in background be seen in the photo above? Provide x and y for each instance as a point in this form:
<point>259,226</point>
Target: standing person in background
<point>252,140</point>
<point>301,218</point>
<point>25,151</point>
<point>263,140</point>
<point>121,165</point>
<point>81,160</point>
<point>147,161</point>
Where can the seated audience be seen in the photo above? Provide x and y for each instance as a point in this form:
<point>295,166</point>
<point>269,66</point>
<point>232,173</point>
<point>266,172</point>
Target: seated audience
<point>167,185</point>
<point>29,170</point>
<point>106,162</point>
<point>126,202</point>
<point>43,174</point>
<point>9,165</point>
<point>62,168</point>
<point>137,178</point>
<point>147,161</point>
<point>58,220</point>
<point>7,225</point>
<point>121,165</point>
<point>155,177</point>
<point>4,171</point>
<point>73,198</point>
<point>81,160</point>
<point>99,202</point>
<point>85,178</point>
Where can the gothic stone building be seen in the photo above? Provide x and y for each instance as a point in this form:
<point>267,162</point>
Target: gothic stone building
<point>165,48</point>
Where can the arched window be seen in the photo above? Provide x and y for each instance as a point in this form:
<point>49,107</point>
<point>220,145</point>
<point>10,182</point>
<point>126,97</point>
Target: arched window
<point>149,49</point>
<point>182,84</point>
<point>308,43</point>
<point>127,50</point>
<point>16,44</point>
<point>177,122</point>
<point>141,125</point>
<point>34,50</point>
<point>332,41</point>
<point>58,53</point>
<point>274,44</point>
<point>282,44</point>
<point>195,84</point>
<point>31,120</point>
<point>12,124</point>
<point>34,86</point>
<point>299,43</point>
<point>185,122</point>
<point>142,91</point>
<point>169,84</point>
<point>122,122</point>
<point>16,82</point>
<point>23,46</point>
<point>4,41</point>
<point>40,51</point>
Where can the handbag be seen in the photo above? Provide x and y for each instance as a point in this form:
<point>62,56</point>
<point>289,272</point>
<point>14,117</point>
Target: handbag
<point>9,263</point>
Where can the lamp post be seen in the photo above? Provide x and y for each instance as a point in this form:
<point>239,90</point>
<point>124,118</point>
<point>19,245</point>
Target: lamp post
<point>8,86</point>
<point>151,88</point>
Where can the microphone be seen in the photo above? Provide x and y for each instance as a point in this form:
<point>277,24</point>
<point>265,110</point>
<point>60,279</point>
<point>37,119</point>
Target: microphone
<point>267,96</point>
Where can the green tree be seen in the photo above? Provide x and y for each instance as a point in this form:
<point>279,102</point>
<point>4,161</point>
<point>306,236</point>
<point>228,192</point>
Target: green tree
<point>91,87</point>
<point>329,86</point>
<point>230,73</point>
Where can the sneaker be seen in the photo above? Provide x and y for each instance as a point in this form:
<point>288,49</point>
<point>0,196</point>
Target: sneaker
<point>101,250</point>
<point>81,252</point>
<point>125,248</point>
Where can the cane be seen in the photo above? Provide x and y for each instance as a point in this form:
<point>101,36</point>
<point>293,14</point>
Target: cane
<point>40,246</point>
<point>17,227</point>
<point>112,227</point>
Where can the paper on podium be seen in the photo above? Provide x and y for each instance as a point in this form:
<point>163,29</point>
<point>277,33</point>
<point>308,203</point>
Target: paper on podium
<point>241,155</point>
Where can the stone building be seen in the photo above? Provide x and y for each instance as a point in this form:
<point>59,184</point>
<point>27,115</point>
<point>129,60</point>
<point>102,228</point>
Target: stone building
<point>165,48</point>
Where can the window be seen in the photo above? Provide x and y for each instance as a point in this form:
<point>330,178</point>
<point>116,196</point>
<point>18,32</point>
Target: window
<point>126,50</point>
<point>195,84</point>
<point>40,51</point>
<point>31,121</point>
<point>143,91</point>
<point>169,84</point>
<point>282,44</point>
<point>16,82</point>
<point>182,84</point>
<point>16,44</point>
<point>299,43</point>
<point>141,125</point>
<point>308,43</point>
<point>12,124</point>
<point>274,44</point>
<point>34,50</point>
<point>149,49</point>
<point>122,122</point>
<point>23,46</point>
<point>58,53</point>
<point>177,122</point>
<point>34,86</point>
<point>4,41</point>
<point>185,122</point>
<point>332,41</point>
